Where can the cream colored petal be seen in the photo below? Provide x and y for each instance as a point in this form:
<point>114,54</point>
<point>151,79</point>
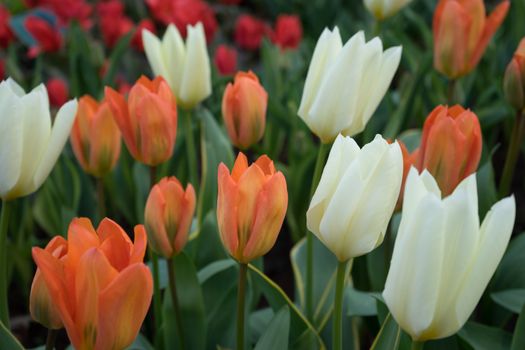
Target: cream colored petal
<point>153,50</point>
<point>11,131</point>
<point>174,58</point>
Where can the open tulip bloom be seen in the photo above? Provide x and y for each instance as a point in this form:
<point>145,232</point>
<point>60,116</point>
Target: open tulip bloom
<point>443,259</point>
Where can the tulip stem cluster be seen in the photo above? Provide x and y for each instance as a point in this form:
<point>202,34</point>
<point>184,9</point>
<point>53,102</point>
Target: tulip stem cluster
<point>516,139</point>
<point>337,335</point>
<point>243,270</point>
<point>51,338</point>
<point>190,148</point>
<point>175,300</point>
<point>4,219</point>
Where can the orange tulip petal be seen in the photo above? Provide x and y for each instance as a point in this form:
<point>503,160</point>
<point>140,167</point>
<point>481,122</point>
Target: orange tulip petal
<point>154,219</point>
<point>227,207</point>
<point>139,245</point>
<point>239,167</point>
<point>266,165</point>
<point>105,142</point>
<point>186,219</point>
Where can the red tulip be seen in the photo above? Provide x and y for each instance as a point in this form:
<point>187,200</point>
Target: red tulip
<point>461,34</point>
<point>101,289</point>
<point>48,37</point>
<point>288,32</point>
<point>58,91</point>
<point>136,41</point>
<point>251,207</point>
<point>114,24</point>
<point>249,32</point>
<point>6,35</point>
<point>225,60</point>
<point>514,80</point>
<point>2,69</point>
<point>66,10</point>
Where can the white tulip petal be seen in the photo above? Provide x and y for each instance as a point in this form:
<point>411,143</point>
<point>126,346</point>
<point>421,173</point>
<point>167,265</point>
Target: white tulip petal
<point>59,135</point>
<point>174,58</point>
<point>152,48</point>
<point>10,142</point>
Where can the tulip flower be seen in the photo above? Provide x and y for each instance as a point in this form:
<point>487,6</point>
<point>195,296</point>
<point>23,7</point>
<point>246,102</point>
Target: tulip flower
<point>148,120</point>
<point>251,207</point>
<point>462,33</point>
<point>249,32</point>
<point>356,196</point>
<point>450,146</point>
<point>225,60</point>
<point>45,33</point>
<point>29,145</point>
<point>443,259</point>
<point>58,91</point>
<point>244,109</point>
<point>382,9</point>
<point>345,84</point>
<point>514,80</point>
<point>95,137</point>
<point>6,35</point>
<point>168,216</point>
<point>288,32</point>
<point>186,67</point>
<point>101,288</point>
<point>41,305</point>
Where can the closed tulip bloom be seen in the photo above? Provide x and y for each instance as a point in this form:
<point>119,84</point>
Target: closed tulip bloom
<point>443,259</point>
<point>345,84</point>
<point>29,145</point>
<point>185,66</point>
<point>382,9</point>
<point>168,216</point>
<point>514,80</point>
<point>147,121</point>
<point>41,305</point>
<point>95,137</point>
<point>251,207</point>
<point>244,109</point>
<point>101,288</point>
<point>356,196</point>
<point>450,146</point>
<point>462,33</point>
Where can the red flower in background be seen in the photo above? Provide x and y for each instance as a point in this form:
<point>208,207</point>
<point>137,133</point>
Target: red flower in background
<point>58,91</point>
<point>136,42</point>
<point>2,69</point>
<point>66,10</point>
<point>47,37</point>
<point>113,23</point>
<point>6,35</point>
<point>230,2</point>
<point>225,59</point>
<point>288,32</point>
<point>183,13</point>
<point>249,32</point>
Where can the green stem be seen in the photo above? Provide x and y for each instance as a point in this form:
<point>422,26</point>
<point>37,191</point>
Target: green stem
<point>319,164</point>
<point>202,187</point>
<point>101,198</point>
<point>451,91</point>
<point>417,345</point>
<point>243,269</point>
<point>337,339</point>
<point>4,220</point>
<point>190,148</point>
<point>513,152</point>
<point>51,338</point>
<point>376,30</point>
<point>175,300</point>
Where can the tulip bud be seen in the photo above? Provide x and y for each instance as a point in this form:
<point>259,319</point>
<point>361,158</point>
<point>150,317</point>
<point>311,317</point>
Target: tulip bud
<point>58,91</point>
<point>168,216</point>
<point>382,9</point>
<point>225,60</point>
<point>288,32</point>
<point>95,137</point>
<point>514,80</point>
<point>345,84</point>
<point>244,110</point>
<point>41,305</point>
<point>443,259</point>
<point>29,145</point>
<point>450,146</point>
<point>356,196</point>
<point>148,120</point>
<point>186,67</point>
<point>251,207</point>
<point>462,33</point>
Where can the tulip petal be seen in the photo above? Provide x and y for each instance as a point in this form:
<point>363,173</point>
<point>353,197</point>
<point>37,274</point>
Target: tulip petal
<point>227,208</point>
<point>154,220</point>
<point>125,303</point>
<point>153,50</point>
<point>115,243</point>
<point>186,218</point>
<point>105,141</point>
<point>127,125</point>
<point>139,245</point>
<point>81,237</point>
<point>174,58</point>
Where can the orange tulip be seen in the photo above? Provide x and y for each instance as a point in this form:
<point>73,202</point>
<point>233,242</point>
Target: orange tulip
<point>148,121</point>
<point>244,109</point>
<point>168,216</point>
<point>514,80</point>
<point>100,288</point>
<point>461,34</point>
<point>251,207</point>
<point>95,137</point>
<point>450,146</point>
<point>409,160</point>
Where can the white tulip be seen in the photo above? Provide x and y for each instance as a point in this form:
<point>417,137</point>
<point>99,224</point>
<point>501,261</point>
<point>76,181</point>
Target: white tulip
<point>29,146</point>
<point>443,259</point>
<point>345,84</point>
<point>356,196</point>
<point>382,9</point>
<point>186,67</point>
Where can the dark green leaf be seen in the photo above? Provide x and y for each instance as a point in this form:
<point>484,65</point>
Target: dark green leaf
<point>389,335</point>
<point>276,335</point>
<point>511,299</point>
<point>482,337</point>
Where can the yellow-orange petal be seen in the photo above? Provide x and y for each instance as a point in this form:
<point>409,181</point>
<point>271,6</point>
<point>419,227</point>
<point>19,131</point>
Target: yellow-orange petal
<point>139,245</point>
<point>154,220</point>
<point>186,217</point>
<point>239,167</point>
<point>105,142</point>
<point>227,208</point>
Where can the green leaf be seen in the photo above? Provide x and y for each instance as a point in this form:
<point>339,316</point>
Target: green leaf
<point>389,335</point>
<point>8,340</point>
<point>482,337</point>
<point>214,268</point>
<point>359,303</point>
<point>277,333</point>
<point>191,305</point>
<point>518,340</point>
<point>511,299</point>
<point>510,273</point>
<point>115,57</point>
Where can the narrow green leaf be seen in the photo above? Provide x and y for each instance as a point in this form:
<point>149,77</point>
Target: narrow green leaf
<point>8,340</point>
<point>277,333</point>
<point>518,340</point>
<point>482,337</point>
<point>389,335</point>
<point>115,58</point>
<point>511,299</point>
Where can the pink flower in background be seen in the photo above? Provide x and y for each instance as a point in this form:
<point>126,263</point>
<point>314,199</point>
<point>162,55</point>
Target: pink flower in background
<point>136,42</point>
<point>47,36</point>
<point>288,32</point>
<point>225,59</point>
<point>6,35</point>
<point>58,91</point>
<point>67,10</point>
<point>249,32</point>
